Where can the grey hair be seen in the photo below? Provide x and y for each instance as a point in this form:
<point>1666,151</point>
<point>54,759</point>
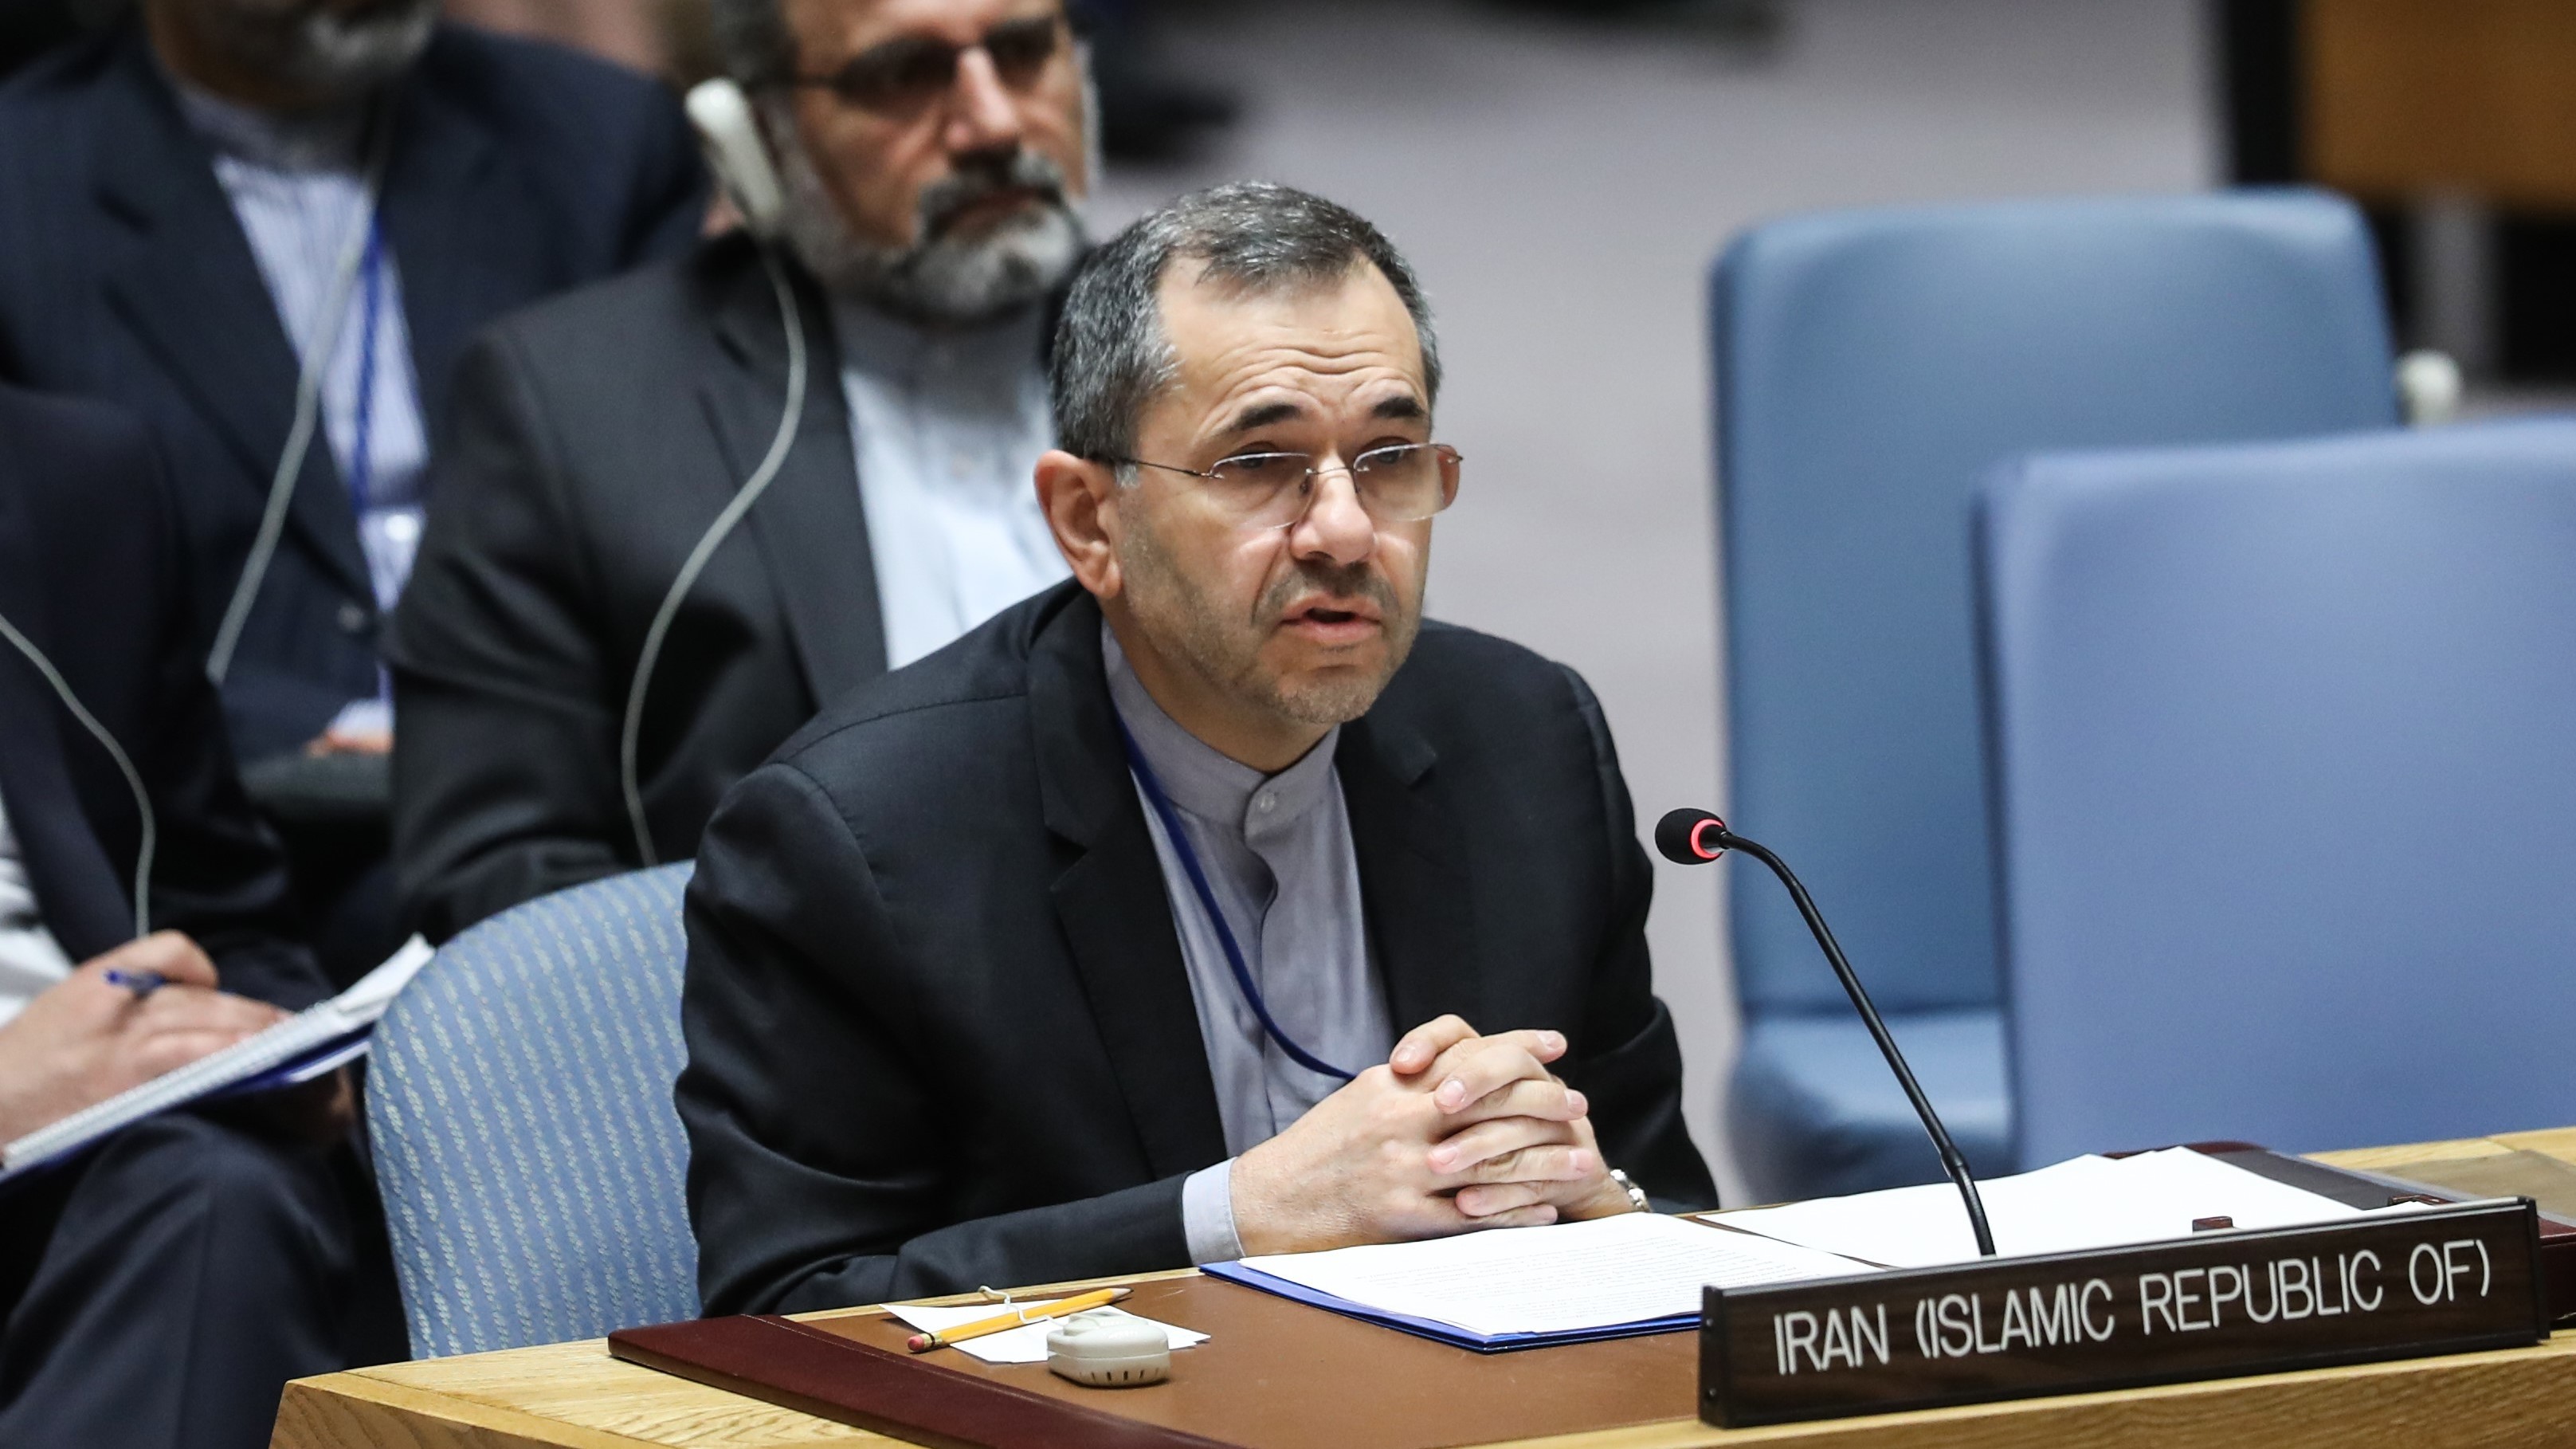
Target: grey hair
<point>1112,357</point>
<point>753,41</point>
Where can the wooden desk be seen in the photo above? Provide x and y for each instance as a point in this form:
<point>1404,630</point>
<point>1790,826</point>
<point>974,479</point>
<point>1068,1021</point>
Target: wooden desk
<point>574,1396</point>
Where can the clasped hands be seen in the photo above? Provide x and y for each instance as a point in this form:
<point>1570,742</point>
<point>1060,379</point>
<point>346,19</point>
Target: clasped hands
<point>1455,1132</point>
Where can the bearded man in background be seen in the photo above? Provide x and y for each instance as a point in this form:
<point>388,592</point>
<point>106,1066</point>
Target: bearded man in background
<point>926,154</point>
<point>268,227</point>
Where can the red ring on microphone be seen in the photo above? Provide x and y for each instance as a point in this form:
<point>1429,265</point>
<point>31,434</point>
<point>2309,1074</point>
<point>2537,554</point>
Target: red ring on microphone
<point>1700,847</point>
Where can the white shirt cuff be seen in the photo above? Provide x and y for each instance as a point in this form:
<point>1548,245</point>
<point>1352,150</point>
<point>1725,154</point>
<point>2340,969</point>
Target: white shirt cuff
<point>364,717</point>
<point>1207,1215</point>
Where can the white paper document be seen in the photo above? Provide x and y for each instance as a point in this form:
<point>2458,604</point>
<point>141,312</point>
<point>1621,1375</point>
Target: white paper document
<point>2083,1202</point>
<point>297,1049</point>
<point>1026,1344</point>
<point>1573,1278</point>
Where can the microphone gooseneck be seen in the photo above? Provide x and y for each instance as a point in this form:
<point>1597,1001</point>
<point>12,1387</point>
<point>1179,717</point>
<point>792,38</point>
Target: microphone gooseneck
<point>1696,837</point>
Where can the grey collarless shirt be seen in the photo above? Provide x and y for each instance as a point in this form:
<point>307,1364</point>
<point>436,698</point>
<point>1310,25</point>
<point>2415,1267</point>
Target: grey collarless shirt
<point>1277,854</point>
<point>947,428</point>
<point>298,186</point>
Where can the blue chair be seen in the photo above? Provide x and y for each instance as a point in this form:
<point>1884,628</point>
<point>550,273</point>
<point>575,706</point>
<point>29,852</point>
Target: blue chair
<point>519,1098</point>
<point>2285,770</point>
<point>1872,368</point>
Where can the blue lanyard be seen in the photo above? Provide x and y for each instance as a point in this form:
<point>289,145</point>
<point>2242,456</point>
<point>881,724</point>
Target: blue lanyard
<point>362,461</point>
<point>1180,839</point>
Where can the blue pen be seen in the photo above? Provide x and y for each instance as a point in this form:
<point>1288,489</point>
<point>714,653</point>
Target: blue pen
<point>141,983</point>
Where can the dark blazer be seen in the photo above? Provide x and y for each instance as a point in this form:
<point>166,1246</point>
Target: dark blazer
<point>939,1029</point>
<point>92,569</point>
<point>595,439</point>
<point>517,170</point>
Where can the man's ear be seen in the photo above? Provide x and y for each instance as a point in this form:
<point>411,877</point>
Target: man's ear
<point>1080,499</point>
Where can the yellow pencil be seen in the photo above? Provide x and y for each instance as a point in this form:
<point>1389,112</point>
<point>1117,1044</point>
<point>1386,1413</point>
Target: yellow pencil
<point>925,1342</point>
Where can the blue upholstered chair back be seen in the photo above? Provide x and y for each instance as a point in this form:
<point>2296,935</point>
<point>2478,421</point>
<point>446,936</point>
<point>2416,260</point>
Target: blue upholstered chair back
<point>2286,769</point>
<point>1872,367</point>
<point>525,1142</point>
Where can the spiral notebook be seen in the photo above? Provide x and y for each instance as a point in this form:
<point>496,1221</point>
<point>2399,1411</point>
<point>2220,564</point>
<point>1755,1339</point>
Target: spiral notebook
<point>298,1049</point>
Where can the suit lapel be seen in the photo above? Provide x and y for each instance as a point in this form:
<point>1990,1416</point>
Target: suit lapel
<point>1415,889</point>
<point>1111,902</point>
<point>194,294</point>
<point>79,892</point>
<point>811,530</point>
<point>467,239</point>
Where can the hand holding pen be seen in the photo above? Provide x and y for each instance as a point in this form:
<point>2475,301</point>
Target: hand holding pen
<point>121,1019</point>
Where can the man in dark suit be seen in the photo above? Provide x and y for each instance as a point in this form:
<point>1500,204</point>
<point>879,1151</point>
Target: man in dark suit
<point>926,156</point>
<point>161,1288</point>
<point>514,170</point>
<point>210,192</point>
<point>1081,947</point>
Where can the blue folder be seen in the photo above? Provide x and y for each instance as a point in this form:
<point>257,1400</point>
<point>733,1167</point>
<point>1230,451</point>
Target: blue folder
<point>1448,1333</point>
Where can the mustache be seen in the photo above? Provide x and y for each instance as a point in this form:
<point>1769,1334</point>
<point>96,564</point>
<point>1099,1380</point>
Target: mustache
<point>983,176</point>
<point>1316,579</point>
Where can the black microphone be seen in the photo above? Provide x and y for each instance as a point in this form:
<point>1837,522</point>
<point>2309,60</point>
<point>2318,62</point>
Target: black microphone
<point>1695,837</point>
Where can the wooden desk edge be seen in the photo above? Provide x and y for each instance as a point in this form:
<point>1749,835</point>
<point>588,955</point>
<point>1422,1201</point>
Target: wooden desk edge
<point>348,1411</point>
<point>354,1408</point>
<point>326,1413</point>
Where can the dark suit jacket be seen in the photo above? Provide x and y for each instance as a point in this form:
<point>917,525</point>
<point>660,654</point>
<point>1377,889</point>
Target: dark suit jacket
<point>595,439</point>
<point>517,170</point>
<point>939,1029</point>
<point>93,570</point>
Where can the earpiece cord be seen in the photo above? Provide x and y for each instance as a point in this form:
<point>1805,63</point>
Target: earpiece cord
<point>124,765</point>
<point>1181,847</point>
<point>792,318</point>
<point>308,413</point>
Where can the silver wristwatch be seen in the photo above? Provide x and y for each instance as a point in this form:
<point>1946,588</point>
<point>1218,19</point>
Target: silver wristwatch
<point>1636,1194</point>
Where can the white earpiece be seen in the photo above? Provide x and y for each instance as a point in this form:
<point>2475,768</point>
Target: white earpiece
<point>730,135</point>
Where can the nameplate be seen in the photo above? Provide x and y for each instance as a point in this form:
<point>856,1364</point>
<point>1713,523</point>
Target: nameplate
<point>2394,1285</point>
